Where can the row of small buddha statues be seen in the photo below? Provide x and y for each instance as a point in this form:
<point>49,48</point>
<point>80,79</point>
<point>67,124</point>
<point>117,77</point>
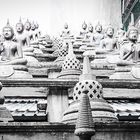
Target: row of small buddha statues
<point>17,48</point>
<point>97,38</point>
<point>121,50</point>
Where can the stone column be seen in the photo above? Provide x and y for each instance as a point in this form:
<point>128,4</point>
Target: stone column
<point>57,103</point>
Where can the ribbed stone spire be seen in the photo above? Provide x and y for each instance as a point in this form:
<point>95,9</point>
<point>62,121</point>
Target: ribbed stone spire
<point>84,125</point>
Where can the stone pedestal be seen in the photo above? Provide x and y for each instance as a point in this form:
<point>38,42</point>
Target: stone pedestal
<point>57,103</point>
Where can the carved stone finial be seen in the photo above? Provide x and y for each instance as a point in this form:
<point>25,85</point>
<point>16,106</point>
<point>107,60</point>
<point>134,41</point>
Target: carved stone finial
<point>84,125</point>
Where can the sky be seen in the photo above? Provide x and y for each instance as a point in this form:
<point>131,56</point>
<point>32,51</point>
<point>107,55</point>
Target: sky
<point>52,14</point>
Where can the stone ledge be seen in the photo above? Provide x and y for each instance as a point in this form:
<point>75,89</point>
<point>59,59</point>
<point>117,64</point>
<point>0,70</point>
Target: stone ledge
<point>37,82</point>
<point>60,127</point>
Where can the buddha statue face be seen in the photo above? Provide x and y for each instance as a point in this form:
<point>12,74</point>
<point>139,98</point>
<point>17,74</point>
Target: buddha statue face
<point>66,26</point>
<point>90,28</point>
<point>133,35</point>
<point>19,27</point>
<point>98,28</point>
<point>84,26</point>
<point>27,26</point>
<point>33,26</point>
<point>110,31</point>
<point>8,33</point>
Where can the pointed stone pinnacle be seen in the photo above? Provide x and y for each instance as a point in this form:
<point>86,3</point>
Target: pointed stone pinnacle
<point>132,20</point>
<point>87,74</point>
<point>84,125</point>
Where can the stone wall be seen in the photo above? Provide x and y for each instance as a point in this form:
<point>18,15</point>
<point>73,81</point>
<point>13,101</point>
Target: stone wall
<point>58,131</point>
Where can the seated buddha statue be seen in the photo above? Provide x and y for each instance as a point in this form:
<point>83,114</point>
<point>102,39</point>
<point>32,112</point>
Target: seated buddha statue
<point>88,41</point>
<point>108,44</point>
<point>98,36</point>
<point>129,58</point>
<point>33,32</point>
<point>107,51</point>
<point>90,32</point>
<point>38,32</point>
<point>34,41</point>
<point>78,42</point>
<point>120,36</point>
<point>66,31</point>
<point>84,31</point>
<point>24,42</point>
<point>12,63</point>
<point>27,32</point>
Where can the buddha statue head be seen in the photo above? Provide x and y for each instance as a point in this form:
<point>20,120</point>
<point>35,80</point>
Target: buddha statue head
<point>84,26</point>
<point>98,28</point>
<point>33,26</point>
<point>27,25</point>
<point>8,31</point>
<point>66,26</point>
<point>37,25</point>
<point>132,34</point>
<point>19,26</point>
<point>110,31</point>
<point>90,28</point>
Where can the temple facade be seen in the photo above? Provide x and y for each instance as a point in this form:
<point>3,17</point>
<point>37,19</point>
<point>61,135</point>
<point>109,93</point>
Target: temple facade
<point>82,86</point>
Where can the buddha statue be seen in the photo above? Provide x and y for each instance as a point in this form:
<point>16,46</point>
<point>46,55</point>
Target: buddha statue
<point>12,63</point>
<point>27,27</point>
<point>66,31</point>
<point>129,56</point>
<point>33,32</point>
<point>90,32</point>
<point>108,44</point>
<point>106,52</point>
<point>84,31</point>
<point>38,32</point>
<point>98,36</point>
<point>24,41</point>
<point>120,36</point>
<point>88,42</point>
<point>34,41</point>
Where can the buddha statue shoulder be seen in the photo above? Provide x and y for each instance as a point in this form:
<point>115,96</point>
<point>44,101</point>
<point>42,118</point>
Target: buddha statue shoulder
<point>98,36</point>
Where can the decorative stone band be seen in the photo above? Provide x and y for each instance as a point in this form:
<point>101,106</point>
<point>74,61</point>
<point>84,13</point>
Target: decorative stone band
<point>101,112</point>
